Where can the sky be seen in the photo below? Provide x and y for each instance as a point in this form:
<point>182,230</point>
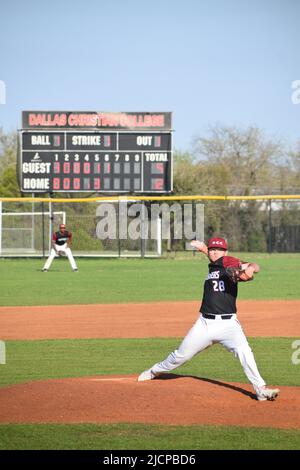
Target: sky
<point>209,62</point>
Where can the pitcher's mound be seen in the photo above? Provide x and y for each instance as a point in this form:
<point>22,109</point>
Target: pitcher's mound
<point>172,399</point>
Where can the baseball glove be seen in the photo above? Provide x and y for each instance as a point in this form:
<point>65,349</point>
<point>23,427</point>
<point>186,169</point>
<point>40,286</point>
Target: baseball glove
<point>61,253</point>
<point>237,274</point>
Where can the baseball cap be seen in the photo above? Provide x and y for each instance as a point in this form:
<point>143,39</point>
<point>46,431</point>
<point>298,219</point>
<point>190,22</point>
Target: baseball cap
<point>62,226</point>
<point>217,243</point>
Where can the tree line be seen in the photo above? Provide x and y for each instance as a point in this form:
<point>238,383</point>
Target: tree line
<point>225,161</point>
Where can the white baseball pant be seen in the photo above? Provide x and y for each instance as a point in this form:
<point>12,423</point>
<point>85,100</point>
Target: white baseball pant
<point>53,254</point>
<point>206,332</point>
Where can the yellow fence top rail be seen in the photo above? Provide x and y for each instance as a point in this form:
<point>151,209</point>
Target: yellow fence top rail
<point>154,198</point>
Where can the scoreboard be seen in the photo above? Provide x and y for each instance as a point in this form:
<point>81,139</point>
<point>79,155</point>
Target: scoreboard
<point>95,152</point>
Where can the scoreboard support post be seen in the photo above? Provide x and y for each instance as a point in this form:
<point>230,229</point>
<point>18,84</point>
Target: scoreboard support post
<point>32,224</point>
<point>143,229</point>
<point>51,226</point>
<point>159,236</point>
<point>0,227</point>
<point>43,229</point>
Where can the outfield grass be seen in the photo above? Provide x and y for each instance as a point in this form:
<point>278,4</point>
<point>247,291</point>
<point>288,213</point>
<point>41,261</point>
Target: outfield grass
<point>139,436</point>
<point>136,280</point>
<point>39,360</point>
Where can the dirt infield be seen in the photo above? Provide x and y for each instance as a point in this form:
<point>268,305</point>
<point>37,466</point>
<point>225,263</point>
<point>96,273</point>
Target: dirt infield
<point>159,319</point>
<point>122,399</point>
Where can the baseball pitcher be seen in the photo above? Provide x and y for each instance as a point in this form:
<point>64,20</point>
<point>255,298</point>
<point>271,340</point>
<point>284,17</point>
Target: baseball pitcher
<point>218,321</point>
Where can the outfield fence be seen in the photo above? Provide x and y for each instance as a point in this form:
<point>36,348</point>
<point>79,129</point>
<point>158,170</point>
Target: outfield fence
<point>149,226</point>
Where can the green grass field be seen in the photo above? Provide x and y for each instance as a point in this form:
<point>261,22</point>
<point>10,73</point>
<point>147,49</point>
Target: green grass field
<point>138,436</point>
<point>38,360</point>
<point>136,280</point>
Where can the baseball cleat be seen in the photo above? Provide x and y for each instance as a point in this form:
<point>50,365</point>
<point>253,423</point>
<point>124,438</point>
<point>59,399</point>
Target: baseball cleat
<point>264,393</point>
<point>146,375</point>
<point>44,270</point>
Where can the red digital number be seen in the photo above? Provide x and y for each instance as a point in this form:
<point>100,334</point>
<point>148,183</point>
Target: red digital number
<point>66,168</point>
<point>56,183</point>
<point>159,167</point>
<point>157,141</point>
<point>76,184</point>
<point>158,183</point>
<point>106,140</point>
<point>56,167</point>
<point>97,183</point>
<point>76,168</point>
<point>86,183</point>
<point>86,168</point>
<point>66,183</point>
<point>97,168</point>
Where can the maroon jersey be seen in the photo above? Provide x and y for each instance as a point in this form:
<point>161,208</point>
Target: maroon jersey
<point>60,238</point>
<point>220,292</point>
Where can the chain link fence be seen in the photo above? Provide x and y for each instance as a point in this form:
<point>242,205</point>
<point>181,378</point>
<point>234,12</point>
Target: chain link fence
<point>145,227</point>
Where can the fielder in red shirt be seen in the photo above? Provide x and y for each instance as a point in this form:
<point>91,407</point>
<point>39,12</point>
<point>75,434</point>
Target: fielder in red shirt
<point>61,246</point>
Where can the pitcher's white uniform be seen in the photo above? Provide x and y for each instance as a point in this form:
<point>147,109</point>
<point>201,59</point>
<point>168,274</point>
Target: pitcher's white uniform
<point>61,242</point>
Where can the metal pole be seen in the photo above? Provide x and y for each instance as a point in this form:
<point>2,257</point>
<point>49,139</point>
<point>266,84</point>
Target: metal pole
<point>43,229</point>
<point>32,224</point>
<point>194,222</point>
<point>158,235</point>
<point>50,222</point>
<point>270,241</point>
<point>123,223</point>
<point>119,239</point>
<point>0,227</point>
<point>143,230</point>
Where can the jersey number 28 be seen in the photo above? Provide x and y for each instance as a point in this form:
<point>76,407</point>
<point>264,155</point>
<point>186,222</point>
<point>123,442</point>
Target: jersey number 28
<point>219,286</point>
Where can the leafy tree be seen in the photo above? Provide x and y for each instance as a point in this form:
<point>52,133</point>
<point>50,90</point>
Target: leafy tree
<point>247,158</point>
<point>8,183</point>
<point>231,161</point>
<point>8,149</point>
<point>8,158</point>
<point>185,181</point>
